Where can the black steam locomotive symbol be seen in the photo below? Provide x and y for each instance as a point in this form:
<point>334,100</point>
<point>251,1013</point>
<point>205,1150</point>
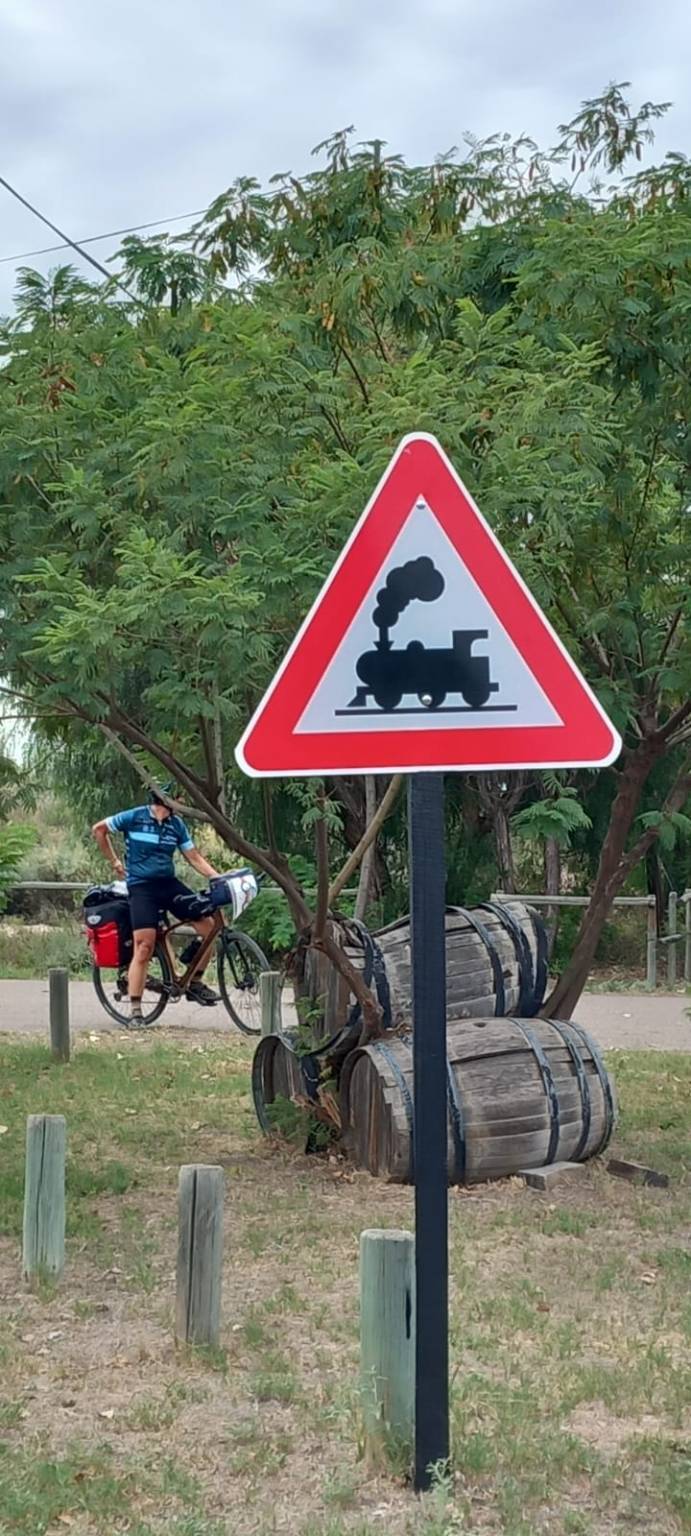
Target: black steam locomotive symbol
<point>388,674</point>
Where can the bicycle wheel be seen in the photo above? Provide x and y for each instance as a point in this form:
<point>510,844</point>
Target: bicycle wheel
<point>111,990</point>
<point>240,963</point>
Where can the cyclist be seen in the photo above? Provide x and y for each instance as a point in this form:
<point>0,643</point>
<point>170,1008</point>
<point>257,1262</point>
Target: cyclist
<point>153,834</point>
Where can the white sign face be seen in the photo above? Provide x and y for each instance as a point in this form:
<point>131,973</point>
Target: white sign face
<point>340,702</point>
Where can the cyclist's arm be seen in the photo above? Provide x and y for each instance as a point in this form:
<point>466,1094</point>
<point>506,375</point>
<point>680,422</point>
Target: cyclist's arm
<point>198,862</point>
<point>102,836</point>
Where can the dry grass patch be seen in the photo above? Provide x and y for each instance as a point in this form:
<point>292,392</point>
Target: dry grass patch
<point>570,1326</point>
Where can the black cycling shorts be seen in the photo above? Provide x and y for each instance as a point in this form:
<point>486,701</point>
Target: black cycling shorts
<point>151,899</point>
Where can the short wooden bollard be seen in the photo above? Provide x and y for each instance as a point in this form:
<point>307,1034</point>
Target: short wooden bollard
<point>270,997</point>
<point>200,1254</point>
<point>387,1340</point>
<point>59,1007</point>
<point>43,1248</point>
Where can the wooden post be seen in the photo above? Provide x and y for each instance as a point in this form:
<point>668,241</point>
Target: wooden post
<point>200,1254</point>
<point>43,1248</point>
<point>651,957</point>
<point>387,1339</point>
<point>687,942</point>
<point>59,1008</point>
<point>270,997</point>
<point>671,932</point>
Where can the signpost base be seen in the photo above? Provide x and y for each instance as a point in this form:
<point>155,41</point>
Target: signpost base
<point>427,906</point>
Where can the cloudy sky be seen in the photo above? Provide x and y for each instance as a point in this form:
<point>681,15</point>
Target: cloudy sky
<point>115,112</point>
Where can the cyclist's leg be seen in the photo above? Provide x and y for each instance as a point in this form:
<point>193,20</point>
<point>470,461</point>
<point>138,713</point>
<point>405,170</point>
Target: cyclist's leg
<point>204,926</point>
<point>178,904</point>
<point>178,900</point>
<point>144,941</point>
<point>144,913</point>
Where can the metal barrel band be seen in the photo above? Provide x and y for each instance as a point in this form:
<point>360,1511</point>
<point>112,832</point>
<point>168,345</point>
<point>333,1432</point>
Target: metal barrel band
<point>526,977</point>
<point>265,1048</point>
<point>457,1125</point>
<point>495,962</point>
<point>548,1081</point>
<point>600,1068</point>
<point>310,1072</point>
<point>375,970</point>
<point>583,1087</point>
<point>542,959</point>
<point>385,1050</point>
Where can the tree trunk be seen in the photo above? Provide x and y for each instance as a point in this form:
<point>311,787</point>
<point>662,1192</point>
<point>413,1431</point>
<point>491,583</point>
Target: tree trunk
<point>552,886</point>
<point>612,872</point>
<point>502,838</point>
<point>367,866</point>
<point>655,885</point>
<point>351,796</point>
<point>218,754</point>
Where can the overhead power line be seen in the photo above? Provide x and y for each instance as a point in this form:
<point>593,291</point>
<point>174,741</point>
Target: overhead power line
<point>73,243</point>
<point>111,234</point>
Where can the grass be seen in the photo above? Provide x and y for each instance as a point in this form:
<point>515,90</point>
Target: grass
<point>570,1324</point>
<point>27,954</point>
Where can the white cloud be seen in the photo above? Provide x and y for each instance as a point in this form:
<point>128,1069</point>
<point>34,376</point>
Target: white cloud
<point>115,113</point>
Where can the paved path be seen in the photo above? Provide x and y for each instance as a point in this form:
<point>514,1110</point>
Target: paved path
<point>627,1020</point>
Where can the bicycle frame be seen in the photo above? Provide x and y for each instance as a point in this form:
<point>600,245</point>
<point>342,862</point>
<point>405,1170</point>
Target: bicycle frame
<point>181,983</point>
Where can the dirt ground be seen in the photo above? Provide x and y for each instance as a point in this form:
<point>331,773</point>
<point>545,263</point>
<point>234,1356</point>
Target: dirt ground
<point>618,1020</point>
<point>570,1324</point>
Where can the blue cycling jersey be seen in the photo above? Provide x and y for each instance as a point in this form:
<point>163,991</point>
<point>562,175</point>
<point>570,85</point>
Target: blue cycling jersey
<point>150,844</point>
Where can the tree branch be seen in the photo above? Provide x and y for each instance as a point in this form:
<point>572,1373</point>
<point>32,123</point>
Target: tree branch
<point>337,430</point>
<point>190,811</point>
<point>671,633</point>
<point>267,802</point>
<point>355,370</point>
<point>368,837</point>
<point>677,718</point>
<point>367,864</point>
<point>205,733</point>
<point>381,346</point>
<point>277,868</point>
<point>591,643</point>
<point>322,846</point>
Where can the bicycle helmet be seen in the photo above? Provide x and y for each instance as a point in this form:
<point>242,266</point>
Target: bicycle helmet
<point>156,799</point>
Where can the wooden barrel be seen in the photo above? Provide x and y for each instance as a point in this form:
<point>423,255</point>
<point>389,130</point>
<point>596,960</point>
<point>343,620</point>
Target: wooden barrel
<point>276,1074</point>
<point>496,962</point>
<point>520,1093</point>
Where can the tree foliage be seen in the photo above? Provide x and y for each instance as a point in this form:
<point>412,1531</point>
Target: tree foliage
<point>178,475</point>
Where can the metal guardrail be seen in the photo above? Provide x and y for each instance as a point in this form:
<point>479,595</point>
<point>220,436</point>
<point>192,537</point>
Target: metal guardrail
<point>673,936</point>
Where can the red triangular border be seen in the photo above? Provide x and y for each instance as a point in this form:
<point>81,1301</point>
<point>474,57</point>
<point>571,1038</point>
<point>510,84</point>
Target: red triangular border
<point>270,745</point>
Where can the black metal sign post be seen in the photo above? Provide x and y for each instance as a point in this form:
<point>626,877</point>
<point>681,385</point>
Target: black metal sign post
<point>427,875</point>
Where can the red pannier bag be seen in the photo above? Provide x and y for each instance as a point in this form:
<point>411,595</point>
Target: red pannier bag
<point>108,929</point>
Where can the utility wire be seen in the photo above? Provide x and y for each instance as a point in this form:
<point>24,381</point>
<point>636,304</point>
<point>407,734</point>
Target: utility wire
<point>73,243</point>
<point>132,229</point>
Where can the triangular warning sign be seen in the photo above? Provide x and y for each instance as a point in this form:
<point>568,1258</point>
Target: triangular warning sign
<point>425,650</point>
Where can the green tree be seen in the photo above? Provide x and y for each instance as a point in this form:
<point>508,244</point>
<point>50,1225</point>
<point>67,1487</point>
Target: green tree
<point>177,480</point>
